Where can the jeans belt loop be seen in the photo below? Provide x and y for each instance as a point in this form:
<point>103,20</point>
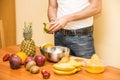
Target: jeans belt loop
<point>75,32</point>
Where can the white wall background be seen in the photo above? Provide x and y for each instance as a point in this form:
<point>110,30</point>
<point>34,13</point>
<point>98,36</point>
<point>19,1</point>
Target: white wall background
<point>106,33</point>
<point>32,11</point>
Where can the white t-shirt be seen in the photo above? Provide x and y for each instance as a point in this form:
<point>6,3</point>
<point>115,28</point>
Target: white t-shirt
<point>70,6</point>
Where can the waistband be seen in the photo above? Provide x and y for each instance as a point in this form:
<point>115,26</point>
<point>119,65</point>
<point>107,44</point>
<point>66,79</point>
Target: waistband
<point>82,31</point>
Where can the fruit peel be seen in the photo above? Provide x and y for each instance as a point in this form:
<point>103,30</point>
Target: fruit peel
<point>47,26</point>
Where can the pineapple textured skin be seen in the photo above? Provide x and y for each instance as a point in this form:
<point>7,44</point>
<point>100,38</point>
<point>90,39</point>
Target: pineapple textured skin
<point>28,46</point>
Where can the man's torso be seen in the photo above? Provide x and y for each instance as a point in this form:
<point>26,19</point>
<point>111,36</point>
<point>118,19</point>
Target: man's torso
<point>70,6</point>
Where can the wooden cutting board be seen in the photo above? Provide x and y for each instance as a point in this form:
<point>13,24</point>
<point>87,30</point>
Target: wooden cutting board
<point>6,73</point>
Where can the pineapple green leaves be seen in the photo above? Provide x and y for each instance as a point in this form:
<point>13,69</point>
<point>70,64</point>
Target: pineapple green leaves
<point>27,30</point>
<point>27,27</point>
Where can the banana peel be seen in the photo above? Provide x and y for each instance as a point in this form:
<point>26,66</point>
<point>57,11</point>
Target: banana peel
<point>47,26</point>
<point>65,59</point>
<point>66,72</point>
<point>75,63</point>
<point>70,67</point>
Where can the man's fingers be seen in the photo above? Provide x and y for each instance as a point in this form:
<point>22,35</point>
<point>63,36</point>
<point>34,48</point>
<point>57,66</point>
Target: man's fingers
<point>56,28</point>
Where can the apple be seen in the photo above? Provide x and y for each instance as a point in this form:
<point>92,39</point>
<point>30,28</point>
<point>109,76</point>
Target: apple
<point>40,60</point>
<point>15,61</point>
<point>29,58</point>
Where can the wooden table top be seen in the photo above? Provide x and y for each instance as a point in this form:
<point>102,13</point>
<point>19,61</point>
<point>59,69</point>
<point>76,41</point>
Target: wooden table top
<point>6,73</point>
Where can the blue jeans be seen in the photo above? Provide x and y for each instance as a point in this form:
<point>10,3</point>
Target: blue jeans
<point>80,45</point>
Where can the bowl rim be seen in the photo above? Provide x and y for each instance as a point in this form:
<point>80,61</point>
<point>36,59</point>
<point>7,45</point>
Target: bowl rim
<point>62,47</point>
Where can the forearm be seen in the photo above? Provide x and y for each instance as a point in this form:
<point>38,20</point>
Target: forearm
<point>52,9</point>
<point>52,13</point>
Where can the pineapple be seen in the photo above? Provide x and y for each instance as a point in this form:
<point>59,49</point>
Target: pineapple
<point>28,45</point>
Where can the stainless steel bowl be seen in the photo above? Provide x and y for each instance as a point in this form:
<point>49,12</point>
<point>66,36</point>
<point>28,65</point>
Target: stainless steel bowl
<point>55,53</point>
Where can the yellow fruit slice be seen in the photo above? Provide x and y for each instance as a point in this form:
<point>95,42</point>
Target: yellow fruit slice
<point>60,72</point>
<point>63,67</point>
<point>45,45</point>
<point>22,55</point>
<point>95,69</point>
<point>48,44</point>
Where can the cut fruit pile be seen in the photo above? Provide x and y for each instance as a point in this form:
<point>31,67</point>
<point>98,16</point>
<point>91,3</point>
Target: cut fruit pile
<point>45,45</point>
<point>67,67</point>
<point>94,65</point>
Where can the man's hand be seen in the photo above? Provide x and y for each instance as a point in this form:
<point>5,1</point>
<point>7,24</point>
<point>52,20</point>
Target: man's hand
<point>58,24</point>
